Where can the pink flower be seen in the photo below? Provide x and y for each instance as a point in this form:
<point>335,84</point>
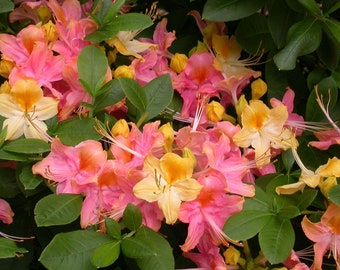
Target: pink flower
<point>326,139</point>
<point>197,82</point>
<point>6,213</point>
<point>325,234</point>
<point>73,168</point>
<point>209,257</point>
<point>295,120</point>
<point>207,214</point>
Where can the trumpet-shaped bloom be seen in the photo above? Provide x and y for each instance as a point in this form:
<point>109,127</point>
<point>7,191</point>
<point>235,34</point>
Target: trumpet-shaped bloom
<point>26,108</point>
<point>74,168</point>
<point>263,128</point>
<point>169,183</point>
<point>325,234</point>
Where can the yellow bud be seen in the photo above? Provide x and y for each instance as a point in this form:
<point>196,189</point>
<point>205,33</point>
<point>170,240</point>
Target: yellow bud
<point>168,133</point>
<point>5,88</point>
<point>215,111</point>
<point>327,184</point>
<point>6,68</point>
<point>120,128</point>
<point>112,56</point>
<point>229,118</point>
<point>240,105</point>
<point>123,72</point>
<point>50,31</point>
<point>231,256</point>
<point>44,14</point>
<point>188,154</point>
<point>178,62</point>
<point>258,89</point>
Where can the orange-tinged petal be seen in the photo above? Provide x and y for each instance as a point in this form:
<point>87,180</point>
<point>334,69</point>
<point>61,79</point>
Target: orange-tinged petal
<point>175,167</point>
<point>316,232</point>
<point>254,115</point>
<point>26,93</point>
<point>332,218</point>
<point>332,168</point>
<point>221,45</point>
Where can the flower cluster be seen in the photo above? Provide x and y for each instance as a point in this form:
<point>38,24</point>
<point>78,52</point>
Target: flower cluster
<point>197,163</point>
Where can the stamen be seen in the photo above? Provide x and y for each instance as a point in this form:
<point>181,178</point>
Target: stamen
<point>16,238</point>
<point>324,109</point>
<point>111,139</point>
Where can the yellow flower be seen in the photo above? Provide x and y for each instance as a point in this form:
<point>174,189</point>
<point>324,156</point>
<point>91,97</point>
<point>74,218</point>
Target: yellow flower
<point>169,135</point>
<point>169,183</point>
<point>125,43</point>
<point>26,108</point>
<point>263,128</point>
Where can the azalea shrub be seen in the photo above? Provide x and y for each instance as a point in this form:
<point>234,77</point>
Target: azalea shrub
<point>177,134</point>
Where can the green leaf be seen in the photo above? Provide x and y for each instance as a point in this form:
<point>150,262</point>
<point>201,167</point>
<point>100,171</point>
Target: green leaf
<point>306,198</point>
<point>27,146</point>
<point>75,130</point>
<point>149,249</point>
<point>280,19</point>
<point>276,240</point>
<point>28,179</point>
<point>332,27</point>
<point>57,209</point>
<point>132,217</point>
<point>246,224</point>
<point>159,94</point>
<point>288,212</point>
<point>259,202</point>
<point>304,37</point>
<point>328,90</point>
<point>9,249</point>
<point>230,10</point>
<point>106,254</point>
<point>107,10</point>
<point>311,6</point>
<point>112,228</point>
<point>6,6</point>
<point>135,93</point>
<point>92,67</point>
<point>124,22</point>
<point>334,194</point>
<point>288,159</point>
<point>252,34</point>
<point>72,250</point>
<point>110,94</point>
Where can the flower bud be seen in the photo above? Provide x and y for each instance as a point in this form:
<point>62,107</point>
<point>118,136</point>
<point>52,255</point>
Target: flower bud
<point>6,68</point>
<point>120,128</point>
<point>188,154</point>
<point>44,14</point>
<point>5,88</point>
<point>215,111</point>
<point>50,31</point>
<point>231,256</point>
<point>123,72</point>
<point>258,89</point>
<point>327,184</point>
<point>240,105</point>
<point>168,133</point>
<point>178,62</point>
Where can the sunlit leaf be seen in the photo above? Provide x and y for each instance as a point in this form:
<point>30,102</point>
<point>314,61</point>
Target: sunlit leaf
<point>106,254</point>
<point>57,209</point>
<point>276,240</point>
<point>72,250</point>
<point>149,249</point>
